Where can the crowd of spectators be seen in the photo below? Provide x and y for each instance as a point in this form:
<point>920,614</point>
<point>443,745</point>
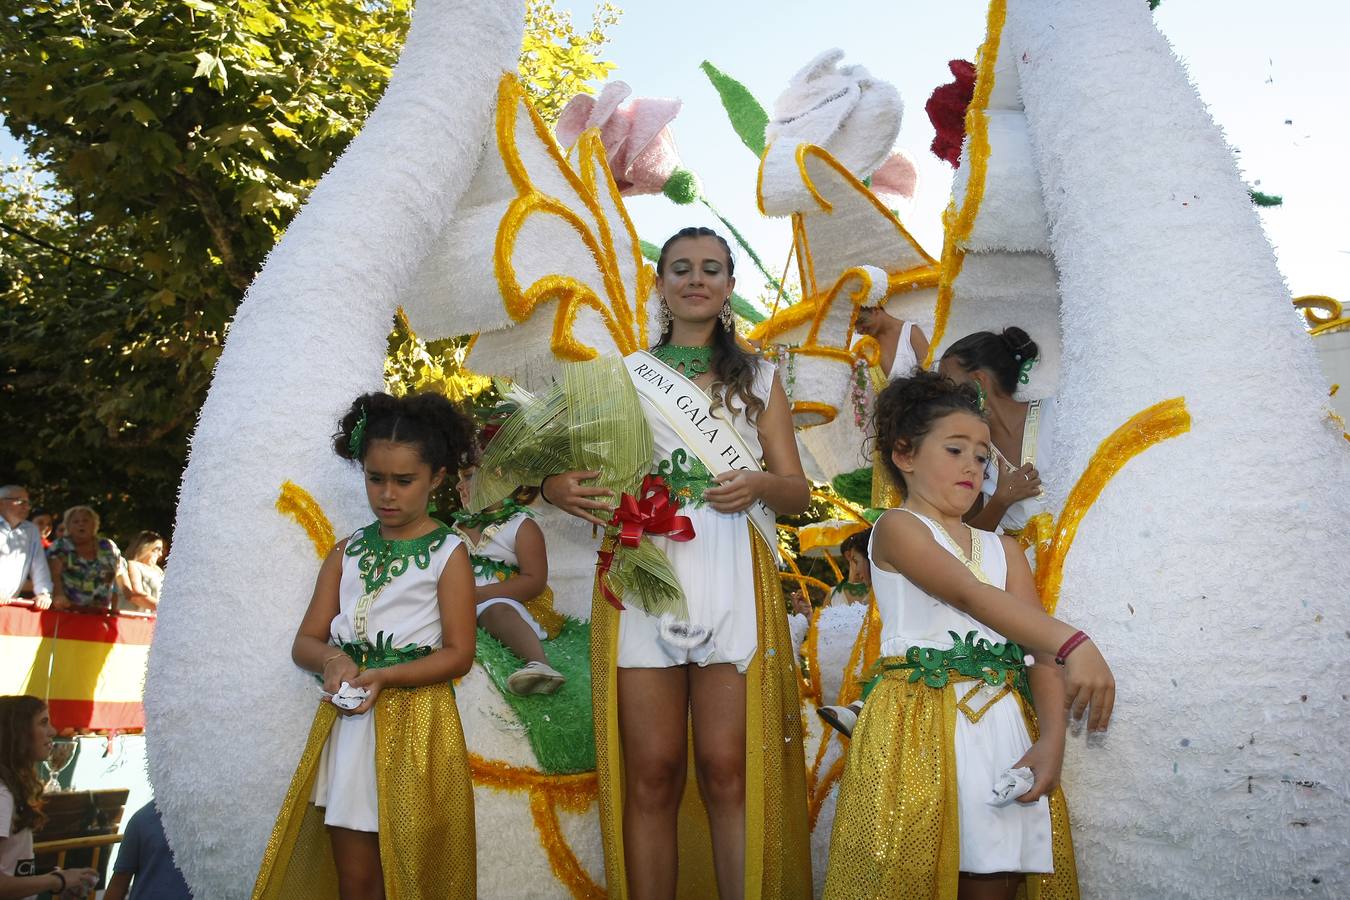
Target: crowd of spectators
<point>67,563</point>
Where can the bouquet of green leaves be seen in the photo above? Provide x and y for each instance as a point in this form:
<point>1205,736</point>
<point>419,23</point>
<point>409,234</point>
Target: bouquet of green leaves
<point>592,420</point>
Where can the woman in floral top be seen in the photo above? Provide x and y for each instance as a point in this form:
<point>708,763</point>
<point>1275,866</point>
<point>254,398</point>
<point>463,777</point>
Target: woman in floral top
<point>86,569</point>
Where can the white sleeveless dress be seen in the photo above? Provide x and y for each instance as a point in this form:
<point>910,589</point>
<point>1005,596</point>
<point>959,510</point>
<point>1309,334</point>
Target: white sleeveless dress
<point>1010,838</point>
<point>405,610</point>
<point>1037,449</point>
<point>905,361</point>
<point>715,568</point>
<point>498,542</point>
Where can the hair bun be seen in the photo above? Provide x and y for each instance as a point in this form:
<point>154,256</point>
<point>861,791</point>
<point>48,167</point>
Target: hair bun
<point>1019,343</point>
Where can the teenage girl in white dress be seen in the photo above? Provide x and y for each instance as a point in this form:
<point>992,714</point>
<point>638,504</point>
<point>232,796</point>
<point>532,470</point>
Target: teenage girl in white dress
<point>1022,431</point>
<point>737,687</point>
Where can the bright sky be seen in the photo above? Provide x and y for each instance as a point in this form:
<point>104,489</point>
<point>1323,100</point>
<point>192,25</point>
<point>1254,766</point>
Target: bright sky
<point>1257,65</point>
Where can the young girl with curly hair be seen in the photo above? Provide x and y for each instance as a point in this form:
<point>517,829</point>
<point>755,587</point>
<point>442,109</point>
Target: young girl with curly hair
<point>382,803</point>
<point>951,784</point>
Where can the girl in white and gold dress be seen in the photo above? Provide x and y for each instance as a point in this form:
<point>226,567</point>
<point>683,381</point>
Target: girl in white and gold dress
<point>731,821</point>
<point>510,570</point>
<point>951,781</point>
<point>381,804</point>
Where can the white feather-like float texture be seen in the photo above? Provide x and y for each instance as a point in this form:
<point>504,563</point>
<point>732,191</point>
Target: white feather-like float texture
<point>227,711</point>
<point>999,289</point>
<point>457,288</point>
<point>1210,570</point>
<point>853,115</point>
<point>1011,214</point>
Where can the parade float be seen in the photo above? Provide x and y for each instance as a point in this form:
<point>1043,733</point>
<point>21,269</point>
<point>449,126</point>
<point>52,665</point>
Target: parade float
<point>1190,490</point>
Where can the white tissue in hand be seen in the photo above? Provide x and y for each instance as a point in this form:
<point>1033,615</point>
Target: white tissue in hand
<point>349,697</point>
<point>1012,784</point>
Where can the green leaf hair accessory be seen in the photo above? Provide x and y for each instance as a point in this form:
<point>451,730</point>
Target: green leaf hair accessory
<point>1024,367</point>
<point>358,435</point>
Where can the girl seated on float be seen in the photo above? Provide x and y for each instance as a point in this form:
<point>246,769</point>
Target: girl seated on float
<point>510,568</point>
<point>932,802</point>
<point>390,624</point>
<point>854,551</point>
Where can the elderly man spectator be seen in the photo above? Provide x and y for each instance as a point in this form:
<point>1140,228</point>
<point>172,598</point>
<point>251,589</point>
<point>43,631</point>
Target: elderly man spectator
<point>21,556</point>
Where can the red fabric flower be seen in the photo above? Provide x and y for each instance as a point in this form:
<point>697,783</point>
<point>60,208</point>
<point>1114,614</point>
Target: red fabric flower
<point>946,109</point>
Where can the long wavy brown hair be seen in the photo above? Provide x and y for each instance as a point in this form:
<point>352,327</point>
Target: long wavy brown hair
<point>18,772</point>
<point>734,368</point>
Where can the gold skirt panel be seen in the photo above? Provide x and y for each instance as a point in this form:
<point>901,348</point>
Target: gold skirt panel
<point>896,827</point>
<point>427,843</point>
<point>778,849</point>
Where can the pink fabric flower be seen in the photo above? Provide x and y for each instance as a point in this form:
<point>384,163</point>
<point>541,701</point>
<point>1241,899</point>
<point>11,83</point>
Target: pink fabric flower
<point>895,179</point>
<point>638,144</point>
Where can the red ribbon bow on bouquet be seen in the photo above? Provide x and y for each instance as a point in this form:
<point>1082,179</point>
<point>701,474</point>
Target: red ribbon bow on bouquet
<point>650,512</point>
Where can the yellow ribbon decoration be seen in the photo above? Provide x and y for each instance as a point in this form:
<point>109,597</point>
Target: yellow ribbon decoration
<point>297,503</point>
<point>1154,425</point>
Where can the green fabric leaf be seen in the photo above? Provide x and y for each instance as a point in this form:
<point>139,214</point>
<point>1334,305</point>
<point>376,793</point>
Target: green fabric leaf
<point>747,117</point>
<point>1263,199</point>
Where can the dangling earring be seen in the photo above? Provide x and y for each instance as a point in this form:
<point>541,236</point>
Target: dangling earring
<point>979,396</point>
<point>727,316</point>
<point>663,316</point>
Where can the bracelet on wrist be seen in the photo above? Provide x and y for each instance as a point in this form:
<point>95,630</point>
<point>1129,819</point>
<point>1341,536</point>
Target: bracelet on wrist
<point>61,878</point>
<point>542,493</point>
<point>1078,637</point>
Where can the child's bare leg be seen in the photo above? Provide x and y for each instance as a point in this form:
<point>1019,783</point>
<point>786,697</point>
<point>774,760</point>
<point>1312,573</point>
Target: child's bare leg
<point>507,626</point>
<point>996,886</point>
<point>357,858</point>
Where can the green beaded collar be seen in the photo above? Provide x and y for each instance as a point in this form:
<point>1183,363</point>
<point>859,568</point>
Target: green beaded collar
<point>695,360</point>
<point>480,520</point>
<point>380,561</point>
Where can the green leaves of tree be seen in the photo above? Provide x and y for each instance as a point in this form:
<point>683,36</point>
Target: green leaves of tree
<point>171,143</point>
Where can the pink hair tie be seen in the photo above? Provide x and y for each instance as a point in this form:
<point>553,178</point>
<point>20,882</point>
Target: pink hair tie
<point>1069,646</point>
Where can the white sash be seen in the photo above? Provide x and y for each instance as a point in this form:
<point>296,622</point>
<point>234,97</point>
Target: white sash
<point>714,440</point>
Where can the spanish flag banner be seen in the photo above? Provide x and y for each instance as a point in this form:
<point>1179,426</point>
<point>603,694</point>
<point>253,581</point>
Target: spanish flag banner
<point>89,667</point>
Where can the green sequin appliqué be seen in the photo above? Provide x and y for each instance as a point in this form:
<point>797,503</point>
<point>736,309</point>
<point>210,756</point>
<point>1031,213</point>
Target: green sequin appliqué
<point>686,476</point>
<point>487,567</point>
<point>381,561</point>
<point>382,654</point>
<point>480,520</point>
<point>695,360</point>
<point>994,664</point>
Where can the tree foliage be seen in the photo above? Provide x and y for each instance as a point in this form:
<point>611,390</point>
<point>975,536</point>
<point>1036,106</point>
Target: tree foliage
<point>170,143</point>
